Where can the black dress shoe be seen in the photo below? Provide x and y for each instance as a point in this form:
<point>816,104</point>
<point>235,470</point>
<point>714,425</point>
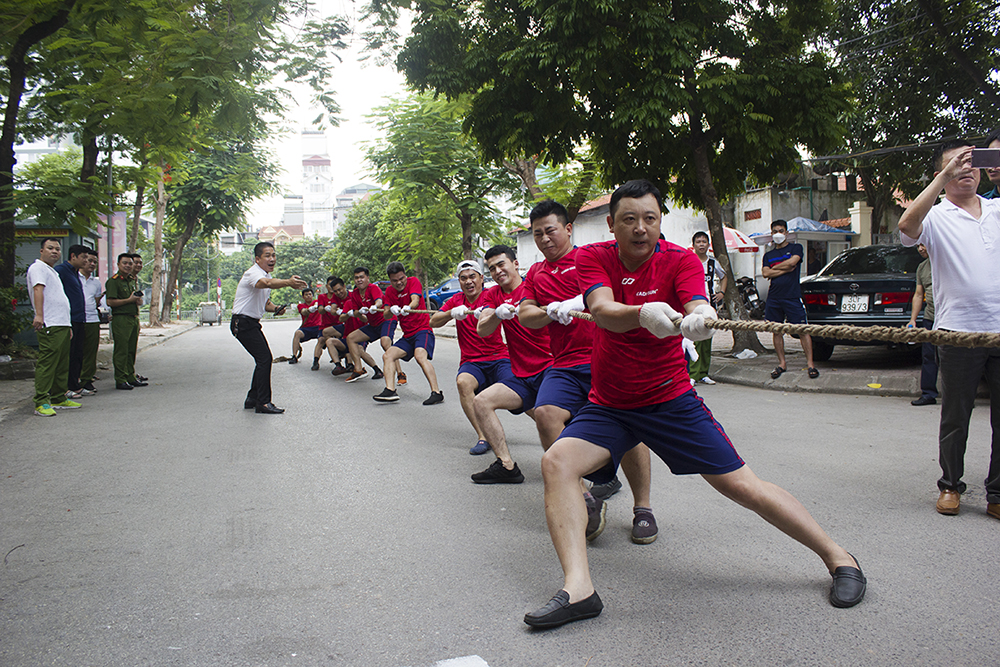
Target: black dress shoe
<point>123,385</point>
<point>141,378</point>
<point>558,611</point>
<point>848,587</point>
<point>268,409</point>
<point>924,400</point>
<point>139,383</point>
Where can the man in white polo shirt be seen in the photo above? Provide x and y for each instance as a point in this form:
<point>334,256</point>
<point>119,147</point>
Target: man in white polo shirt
<point>962,237</point>
<point>53,328</point>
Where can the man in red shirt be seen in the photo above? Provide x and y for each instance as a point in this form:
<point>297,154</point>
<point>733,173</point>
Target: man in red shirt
<point>530,356</point>
<point>406,294</point>
<point>551,290</point>
<point>484,361</point>
<point>312,328</point>
<point>635,287</point>
<point>331,303</point>
<point>367,308</point>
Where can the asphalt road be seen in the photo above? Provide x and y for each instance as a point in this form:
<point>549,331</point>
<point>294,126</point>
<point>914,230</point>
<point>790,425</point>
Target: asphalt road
<point>168,526</point>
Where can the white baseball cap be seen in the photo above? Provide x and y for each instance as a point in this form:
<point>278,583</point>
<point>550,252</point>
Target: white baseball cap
<point>468,264</point>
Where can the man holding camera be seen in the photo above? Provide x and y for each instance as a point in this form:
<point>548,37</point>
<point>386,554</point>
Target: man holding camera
<point>124,299</point>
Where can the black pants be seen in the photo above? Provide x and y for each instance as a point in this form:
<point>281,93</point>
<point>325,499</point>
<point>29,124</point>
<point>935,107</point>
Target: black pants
<point>76,354</point>
<point>247,330</point>
<point>928,365</point>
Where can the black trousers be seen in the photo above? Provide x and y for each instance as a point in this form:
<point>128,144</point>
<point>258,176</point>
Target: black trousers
<point>76,354</point>
<point>928,365</point>
<point>248,332</point>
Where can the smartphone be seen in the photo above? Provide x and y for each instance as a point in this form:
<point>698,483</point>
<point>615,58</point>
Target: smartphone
<point>986,158</point>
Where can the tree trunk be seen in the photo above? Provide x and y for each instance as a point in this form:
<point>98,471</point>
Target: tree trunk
<point>524,168</point>
<point>175,266</point>
<point>466,221</point>
<point>90,154</point>
<point>578,199</point>
<point>157,286</point>
<point>140,193</point>
<point>17,70</point>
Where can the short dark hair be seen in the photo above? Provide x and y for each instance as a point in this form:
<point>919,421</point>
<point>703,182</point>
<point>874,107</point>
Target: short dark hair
<point>635,189</point>
<point>136,255</point>
<point>361,269</point>
<point>334,280</point>
<point>124,254</point>
<point>47,239</point>
<point>937,159</point>
<point>308,289</point>
<point>548,207</point>
<point>394,268</point>
<point>781,222</point>
<point>258,249</point>
<point>91,251</point>
<point>501,250</point>
<point>77,249</point>
<point>698,234</point>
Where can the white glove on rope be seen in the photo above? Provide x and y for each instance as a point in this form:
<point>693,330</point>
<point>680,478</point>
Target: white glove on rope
<point>561,312</point>
<point>405,311</point>
<point>478,312</point>
<point>312,308</point>
<point>459,313</point>
<point>657,318</point>
<point>505,311</point>
<point>395,310</point>
<point>328,309</point>
<point>364,310</point>
<point>351,313</point>
<point>693,324</point>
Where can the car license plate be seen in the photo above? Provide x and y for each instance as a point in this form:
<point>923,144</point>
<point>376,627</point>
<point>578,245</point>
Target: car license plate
<point>854,303</point>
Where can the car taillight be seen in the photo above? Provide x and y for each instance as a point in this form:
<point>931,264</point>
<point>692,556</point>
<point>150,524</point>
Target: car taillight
<point>820,299</point>
<point>889,298</point>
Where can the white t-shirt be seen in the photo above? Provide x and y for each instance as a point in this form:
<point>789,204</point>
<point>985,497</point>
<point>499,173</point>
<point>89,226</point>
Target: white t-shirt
<point>55,305</point>
<point>249,300</point>
<point>91,290</point>
<point>965,262</point>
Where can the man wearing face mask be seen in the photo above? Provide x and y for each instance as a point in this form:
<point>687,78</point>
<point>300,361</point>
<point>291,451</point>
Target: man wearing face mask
<point>782,265</point>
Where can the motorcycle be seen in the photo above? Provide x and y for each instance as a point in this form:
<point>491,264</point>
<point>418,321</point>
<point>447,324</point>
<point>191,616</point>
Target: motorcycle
<point>751,300</point>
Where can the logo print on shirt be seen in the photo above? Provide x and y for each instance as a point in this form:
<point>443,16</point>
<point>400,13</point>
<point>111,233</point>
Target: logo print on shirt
<point>649,293</point>
<point>628,281</point>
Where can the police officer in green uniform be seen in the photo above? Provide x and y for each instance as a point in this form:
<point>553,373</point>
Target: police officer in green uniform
<point>124,300</point>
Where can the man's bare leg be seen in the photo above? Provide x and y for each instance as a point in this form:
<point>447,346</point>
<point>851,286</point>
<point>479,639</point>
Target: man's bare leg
<point>390,360</point>
<point>467,385</point>
<point>636,466</point>
<point>498,397</point>
<point>779,349</point>
<point>807,347</point>
<point>420,356</point>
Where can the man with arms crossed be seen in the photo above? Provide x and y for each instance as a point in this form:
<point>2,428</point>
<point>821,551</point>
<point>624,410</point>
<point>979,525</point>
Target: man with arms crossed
<point>484,361</point>
<point>962,237</point>
<point>634,287</point>
<point>251,301</point>
<point>551,290</point>
<point>782,265</point>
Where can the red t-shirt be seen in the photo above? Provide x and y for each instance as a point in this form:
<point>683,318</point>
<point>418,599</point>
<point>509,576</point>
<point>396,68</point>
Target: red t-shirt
<point>636,368</point>
<point>556,281</point>
<point>368,299</point>
<point>310,319</point>
<point>472,346</point>
<point>410,324</point>
<point>324,300</point>
<point>351,323</point>
<point>529,348</point>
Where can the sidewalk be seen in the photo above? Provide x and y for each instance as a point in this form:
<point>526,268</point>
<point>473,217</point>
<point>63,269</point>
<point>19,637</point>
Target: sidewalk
<point>18,392</point>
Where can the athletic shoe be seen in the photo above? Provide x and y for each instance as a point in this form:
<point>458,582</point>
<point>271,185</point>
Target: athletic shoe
<point>387,396</point>
<point>435,398</point>
<point>293,360</point>
<point>605,491</point>
<point>90,387</point>
<point>315,366</point>
<point>378,375</point>
<point>45,410</point>
<point>596,518</point>
<point>706,380</point>
<point>66,405</point>
<point>355,376</point>
<point>644,530</point>
<point>349,367</point>
<point>400,379</point>
<point>480,447</point>
<point>86,392</point>
<point>339,370</point>
<point>497,474</point>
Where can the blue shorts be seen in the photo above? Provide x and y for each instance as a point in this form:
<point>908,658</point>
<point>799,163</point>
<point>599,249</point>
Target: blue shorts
<point>339,328</point>
<point>785,310</point>
<point>409,344</point>
<point>526,388</point>
<point>309,333</point>
<point>682,432</point>
<point>487,372</point>
<point>565,388</point>
<point>387,329</point>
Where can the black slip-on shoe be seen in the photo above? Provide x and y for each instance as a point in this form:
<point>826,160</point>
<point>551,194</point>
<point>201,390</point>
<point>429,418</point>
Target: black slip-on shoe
<point>139,383</point>
<point>924,400</point>
<point>269,409</point>
<point>123,385</point>
<point>848,587</point>
<point>559,611</point>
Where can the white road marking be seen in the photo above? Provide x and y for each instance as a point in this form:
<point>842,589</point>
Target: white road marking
<point>466,661</point>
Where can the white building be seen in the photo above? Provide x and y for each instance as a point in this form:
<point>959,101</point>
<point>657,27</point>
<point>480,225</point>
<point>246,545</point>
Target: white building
<point>317,201</point>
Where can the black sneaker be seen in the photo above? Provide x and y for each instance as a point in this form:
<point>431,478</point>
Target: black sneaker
<point>378,374</point>
<point>315,365</point>
<point>293,360</point>
<point>605,491</point>
<point>497,474</point>
<point>387,396</point>
<point>596,518</point>
<point>435,398</point>
<point>340,370</point>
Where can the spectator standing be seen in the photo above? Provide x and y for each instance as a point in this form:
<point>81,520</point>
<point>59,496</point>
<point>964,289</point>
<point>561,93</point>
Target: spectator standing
<point>92,294</point>
<point>52,325</point>
<point>69,274</point>
<point>124,299</point>
<point>782,265</point>
<point>994,175</point>
<point>715,287</point>
<point>923,297</point>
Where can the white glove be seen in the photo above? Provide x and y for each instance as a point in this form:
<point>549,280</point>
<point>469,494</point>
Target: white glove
<point>328,309</point>
<point>693,324</point>
<point>395,310</point>
<point>505,311</point>
<point>364,310</point>
<point>689,349</point>
<point>312,308</point>
<point>405,311</point>
<point>352,313</point>
<point>478,312</point>
<point>657,317</point>
<point>560,311</point>
<point>459,313</point>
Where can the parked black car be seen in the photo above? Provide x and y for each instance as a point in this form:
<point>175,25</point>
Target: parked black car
<point>869,286</point>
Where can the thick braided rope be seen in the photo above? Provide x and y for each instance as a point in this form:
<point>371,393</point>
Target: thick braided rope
<point>846,332</point>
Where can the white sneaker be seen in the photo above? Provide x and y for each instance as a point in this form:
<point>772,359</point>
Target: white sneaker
<point>706,380</point>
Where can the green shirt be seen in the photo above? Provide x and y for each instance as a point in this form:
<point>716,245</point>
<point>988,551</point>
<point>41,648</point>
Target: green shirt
<point>121,288</point>
<point>924,280</point>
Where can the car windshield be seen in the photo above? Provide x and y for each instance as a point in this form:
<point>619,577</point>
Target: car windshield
<point>874,259</point>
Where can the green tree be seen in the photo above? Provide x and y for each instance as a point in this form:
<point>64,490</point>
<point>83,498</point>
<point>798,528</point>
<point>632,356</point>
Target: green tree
<point>361,240</point>
<point>303,258</point>
<point>50,190</point>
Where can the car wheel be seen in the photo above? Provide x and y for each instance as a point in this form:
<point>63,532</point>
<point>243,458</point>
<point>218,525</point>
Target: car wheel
<point>822,351</point>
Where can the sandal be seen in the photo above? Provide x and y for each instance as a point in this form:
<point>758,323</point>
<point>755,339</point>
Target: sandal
<point>813,373</point>
<point>776,373</point>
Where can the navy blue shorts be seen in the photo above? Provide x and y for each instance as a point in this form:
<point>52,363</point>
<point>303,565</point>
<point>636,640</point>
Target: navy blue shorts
<point>370,330</point>
<point>565,388</point>
<point>338,327</point>
<point>785,310</point>
<point>309,333</point>
<point>682,432</point>
<point>387,329</point>
<point>526,388</point>
<point>409,344</point>
<point>487,373</point>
